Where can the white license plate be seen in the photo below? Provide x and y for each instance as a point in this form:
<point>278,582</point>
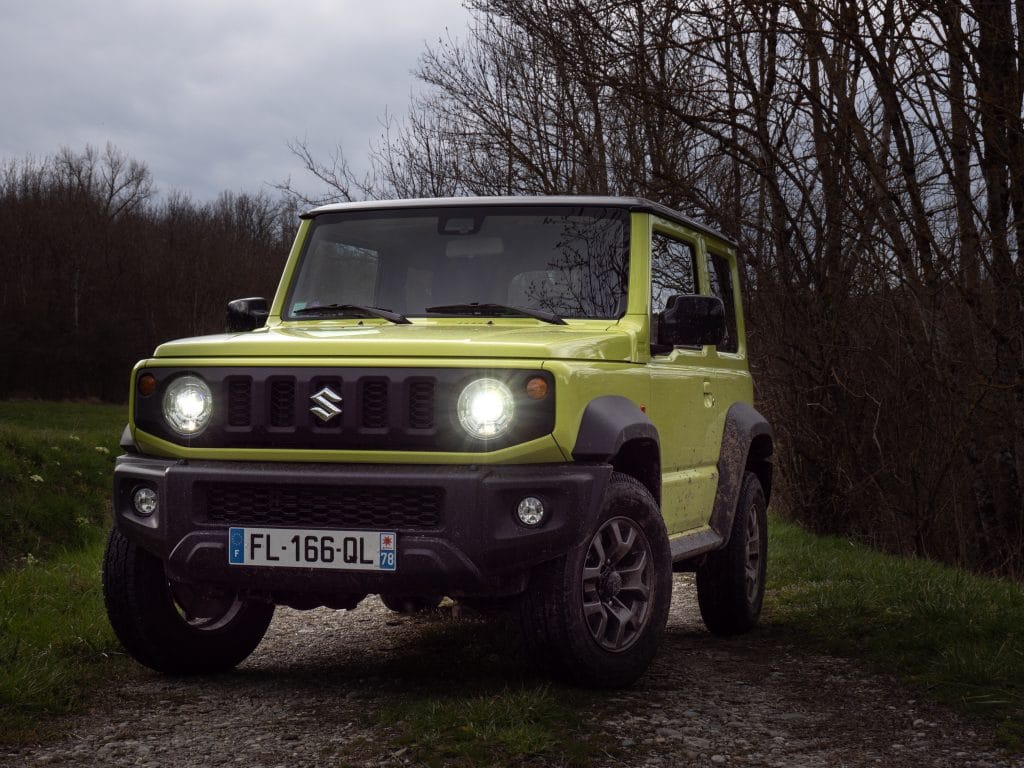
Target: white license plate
<point>291,548</point>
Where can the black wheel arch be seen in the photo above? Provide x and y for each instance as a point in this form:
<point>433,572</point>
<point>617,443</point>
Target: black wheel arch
<point>615,431</point>
<point>747,446</point>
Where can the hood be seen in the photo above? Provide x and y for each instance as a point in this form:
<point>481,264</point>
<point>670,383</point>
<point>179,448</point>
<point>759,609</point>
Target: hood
<point>452,339</point>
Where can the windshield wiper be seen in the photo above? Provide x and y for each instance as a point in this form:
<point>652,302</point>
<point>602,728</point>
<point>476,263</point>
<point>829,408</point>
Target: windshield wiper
<point>494,310</point>
<point>353,310</point>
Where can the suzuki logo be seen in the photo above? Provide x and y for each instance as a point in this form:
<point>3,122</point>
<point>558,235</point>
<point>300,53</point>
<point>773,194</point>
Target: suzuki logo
<point>325,404</point>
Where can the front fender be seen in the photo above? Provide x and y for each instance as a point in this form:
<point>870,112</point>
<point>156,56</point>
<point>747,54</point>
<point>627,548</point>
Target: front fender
<point>609,422</point>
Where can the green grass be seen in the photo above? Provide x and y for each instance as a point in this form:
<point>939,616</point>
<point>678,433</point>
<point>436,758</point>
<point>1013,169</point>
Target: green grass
<point>56,463</point>
<point>956,636</point>
<point>54,640</point>
<point>508,726</point>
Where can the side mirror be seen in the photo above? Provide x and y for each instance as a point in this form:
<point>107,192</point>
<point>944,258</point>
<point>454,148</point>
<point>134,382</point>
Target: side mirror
<point>246,314</point>
<point>692,321</point>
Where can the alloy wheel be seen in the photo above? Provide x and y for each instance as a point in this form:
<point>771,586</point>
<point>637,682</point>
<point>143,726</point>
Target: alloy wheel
<point>618,580</point>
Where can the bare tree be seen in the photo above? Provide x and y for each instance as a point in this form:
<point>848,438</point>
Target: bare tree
<point>867,155</point>
<point>97,272</point>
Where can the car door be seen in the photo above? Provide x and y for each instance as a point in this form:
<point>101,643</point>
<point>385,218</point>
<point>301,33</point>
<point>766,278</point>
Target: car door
<point>684,406</point>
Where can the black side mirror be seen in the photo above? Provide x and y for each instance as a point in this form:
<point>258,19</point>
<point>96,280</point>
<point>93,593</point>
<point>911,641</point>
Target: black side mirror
<point>246,314</point>
<point>692,321</point>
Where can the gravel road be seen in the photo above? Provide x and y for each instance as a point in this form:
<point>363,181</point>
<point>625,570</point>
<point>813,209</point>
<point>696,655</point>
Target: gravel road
<point>302,700</point>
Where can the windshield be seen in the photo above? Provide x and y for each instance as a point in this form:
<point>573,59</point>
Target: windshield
<point>567,261</point>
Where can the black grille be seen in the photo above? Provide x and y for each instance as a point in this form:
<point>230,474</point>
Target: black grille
<point>421,405</point>
<point>319,506</point>
<point>375,403</point>
<point>239,402</point>
<point>346,408</point>
<point>282,403</point>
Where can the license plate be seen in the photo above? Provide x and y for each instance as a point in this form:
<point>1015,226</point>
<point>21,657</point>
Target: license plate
<point>291,548</point>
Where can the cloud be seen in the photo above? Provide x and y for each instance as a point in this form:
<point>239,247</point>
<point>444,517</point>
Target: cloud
<point>208,94</point>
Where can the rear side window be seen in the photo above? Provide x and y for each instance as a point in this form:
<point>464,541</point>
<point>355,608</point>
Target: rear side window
<point>721,286</point>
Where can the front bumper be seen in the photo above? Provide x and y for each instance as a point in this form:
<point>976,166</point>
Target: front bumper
<point>456,526</point>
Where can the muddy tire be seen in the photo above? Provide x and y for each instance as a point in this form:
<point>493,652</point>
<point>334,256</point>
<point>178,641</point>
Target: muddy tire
<point>155,625</point>
<point>730,584</point>
<point>596,615</point>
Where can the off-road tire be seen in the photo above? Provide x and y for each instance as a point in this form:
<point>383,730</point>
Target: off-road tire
<point>409,604</point>
<point>150,625</point>
<point>560,613</point>
<point>730,583</point>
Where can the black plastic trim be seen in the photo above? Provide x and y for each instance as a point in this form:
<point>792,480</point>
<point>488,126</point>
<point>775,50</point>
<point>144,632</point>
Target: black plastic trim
<point>479,548</point>
<point>743,425</point>
<point>608,423</point>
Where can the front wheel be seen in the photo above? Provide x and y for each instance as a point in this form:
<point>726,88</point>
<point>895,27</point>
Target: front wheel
<point>730,584</point>
<point>169,627</point>
<point>596,614</point>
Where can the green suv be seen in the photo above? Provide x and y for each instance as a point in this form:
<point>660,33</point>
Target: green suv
<point>542,403</point>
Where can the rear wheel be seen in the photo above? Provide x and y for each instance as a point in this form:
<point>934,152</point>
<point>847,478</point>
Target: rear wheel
<point>596,614</point>
<point>172,628</point>
<point>730,584</point>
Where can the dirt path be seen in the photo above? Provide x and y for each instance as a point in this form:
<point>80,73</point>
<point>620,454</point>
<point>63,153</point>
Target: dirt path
<point>303,697</point>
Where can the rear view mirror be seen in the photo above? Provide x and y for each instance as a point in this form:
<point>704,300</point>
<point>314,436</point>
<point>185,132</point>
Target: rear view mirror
<point>246,314</point>
<point>692,321</point>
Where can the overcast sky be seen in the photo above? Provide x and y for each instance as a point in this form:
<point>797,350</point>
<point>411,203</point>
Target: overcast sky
<point>208,92</point>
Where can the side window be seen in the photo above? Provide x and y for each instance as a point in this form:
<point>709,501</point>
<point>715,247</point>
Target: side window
<point>673,270</point>
<point>721,286</point>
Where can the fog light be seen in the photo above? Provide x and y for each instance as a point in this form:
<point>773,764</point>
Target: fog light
<point>145,501</point>
<point>531,511</point>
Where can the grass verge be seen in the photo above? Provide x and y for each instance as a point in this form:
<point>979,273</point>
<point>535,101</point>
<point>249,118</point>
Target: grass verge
<point>56,461</point>
<point>54,640</point>
<point>957,636</point>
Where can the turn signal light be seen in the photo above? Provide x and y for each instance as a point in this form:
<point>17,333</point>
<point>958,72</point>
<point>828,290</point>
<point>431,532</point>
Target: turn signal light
<point>147,384</point>
<point>536,388</point>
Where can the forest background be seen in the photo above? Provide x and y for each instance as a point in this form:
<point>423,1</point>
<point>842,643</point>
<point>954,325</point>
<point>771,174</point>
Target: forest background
<point>868,157</point>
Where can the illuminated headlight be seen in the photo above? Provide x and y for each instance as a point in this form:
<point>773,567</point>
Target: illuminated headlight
<point>188,405</point>
<point>485,408</point>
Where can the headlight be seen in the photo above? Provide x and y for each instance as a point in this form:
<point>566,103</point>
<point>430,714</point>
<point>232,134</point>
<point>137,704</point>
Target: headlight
<point>188,405</point>
<point>485,408</point>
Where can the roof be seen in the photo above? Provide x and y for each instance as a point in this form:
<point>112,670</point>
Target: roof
<point>631,203</point>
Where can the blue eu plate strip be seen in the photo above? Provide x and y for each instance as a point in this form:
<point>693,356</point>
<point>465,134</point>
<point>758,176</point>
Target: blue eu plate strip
<point>236,546</point>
